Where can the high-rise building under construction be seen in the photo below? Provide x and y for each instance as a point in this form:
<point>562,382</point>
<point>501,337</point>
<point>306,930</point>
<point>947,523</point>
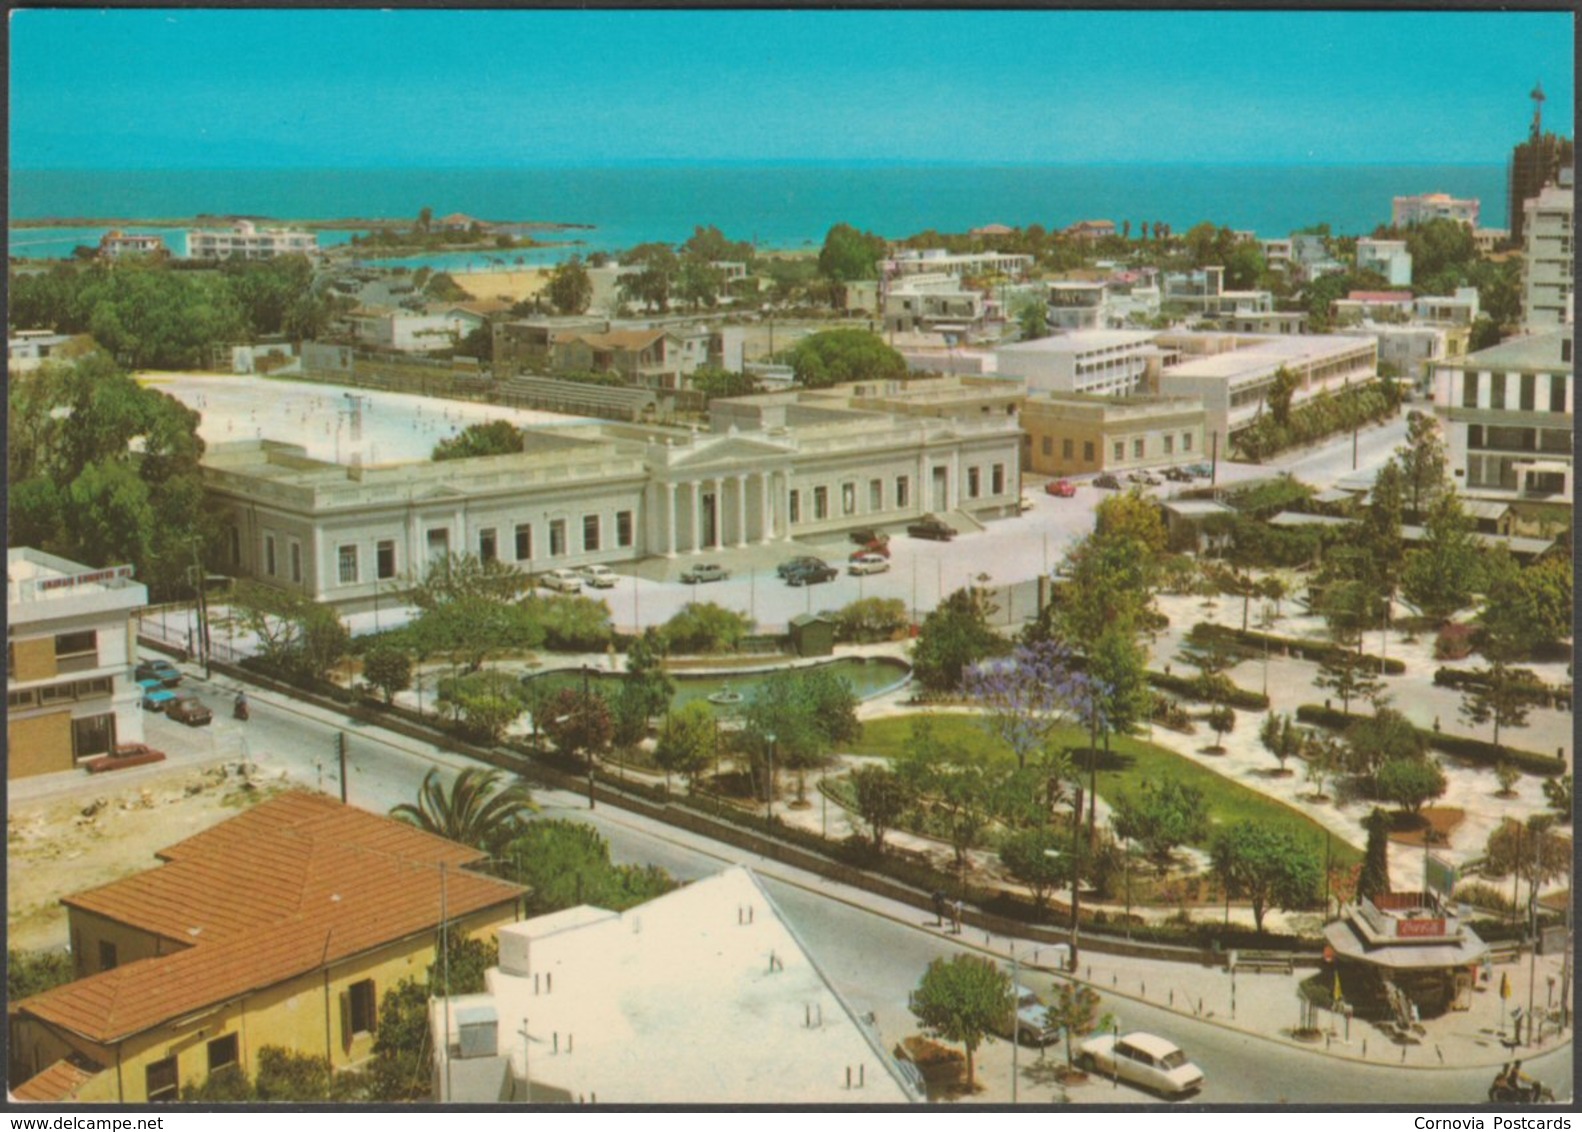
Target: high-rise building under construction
<point>1535,163</point>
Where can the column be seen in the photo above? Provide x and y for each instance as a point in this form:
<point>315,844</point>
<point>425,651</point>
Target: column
<point>719,512</point>
<point>768,526</point>
<point>671,491</point>
<point>697,516</point>
<point>741,509</point>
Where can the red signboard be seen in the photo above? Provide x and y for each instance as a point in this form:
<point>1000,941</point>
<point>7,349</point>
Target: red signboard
<point>1420,927</point>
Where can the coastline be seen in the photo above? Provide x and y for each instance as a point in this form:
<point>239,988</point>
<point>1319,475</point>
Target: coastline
<point>340,224</point>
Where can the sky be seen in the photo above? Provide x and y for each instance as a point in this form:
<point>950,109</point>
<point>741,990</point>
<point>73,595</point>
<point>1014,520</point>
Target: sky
<point>238,89</point>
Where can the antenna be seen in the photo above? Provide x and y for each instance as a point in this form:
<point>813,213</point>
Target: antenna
<point>1537,96</point>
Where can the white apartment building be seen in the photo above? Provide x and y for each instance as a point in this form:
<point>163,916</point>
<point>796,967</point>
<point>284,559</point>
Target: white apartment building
<point>1232,374</point>
<point>1412,351</point>
<point>1372,306</point>
<point>115,244</point>
<point>1459,309</point>
<point>1388,257</point>
<point>1277,253</point>
<point>1420,209</point>
<point>406,333</point>
<point>1204,293</point>
<point>1083,361</point>
<point>1077,305</point>
<point>245,240</point>
<point>1267,322</point>
<point>1546,265</point>
<point>1487,240</point>
<point>933,302</point>
<point>70,650</point>
<point>1507,415</point>
<point>932,260</point>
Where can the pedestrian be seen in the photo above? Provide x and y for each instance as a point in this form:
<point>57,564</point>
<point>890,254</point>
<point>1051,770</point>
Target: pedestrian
<point>958,917</point>
<point>939,907</point>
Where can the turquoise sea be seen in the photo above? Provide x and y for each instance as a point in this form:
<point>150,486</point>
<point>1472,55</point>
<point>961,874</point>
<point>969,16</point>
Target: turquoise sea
<point>776,206</point>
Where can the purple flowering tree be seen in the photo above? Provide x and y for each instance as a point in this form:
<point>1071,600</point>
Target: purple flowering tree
<point>1027,696</point>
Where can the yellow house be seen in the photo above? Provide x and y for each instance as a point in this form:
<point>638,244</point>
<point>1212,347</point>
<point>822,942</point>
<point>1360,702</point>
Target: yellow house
<point>1080,433</point>
<point>280,927</point>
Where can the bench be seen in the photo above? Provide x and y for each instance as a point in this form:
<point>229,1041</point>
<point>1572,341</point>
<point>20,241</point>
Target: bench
<point>1260,961</point>
<point>122,760</point>
<point>1505,952</point>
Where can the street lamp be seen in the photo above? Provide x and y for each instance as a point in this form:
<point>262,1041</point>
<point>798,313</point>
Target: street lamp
<point>769,792</point>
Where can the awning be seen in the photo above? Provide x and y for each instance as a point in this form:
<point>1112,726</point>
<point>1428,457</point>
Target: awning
<point>1424,956</point>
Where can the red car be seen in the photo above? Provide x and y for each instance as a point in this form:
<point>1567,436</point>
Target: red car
<point>877,546</point>
<point>1063,488</point>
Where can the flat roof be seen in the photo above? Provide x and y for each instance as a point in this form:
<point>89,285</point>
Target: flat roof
<point>1267,352</point>
<point>1535,351</point>
<point>1079,341</point>
<point>1304,519</point>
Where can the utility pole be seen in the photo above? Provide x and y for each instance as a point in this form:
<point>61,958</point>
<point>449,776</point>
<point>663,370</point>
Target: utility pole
<point>340,751</point>
<point>1016,1036</point>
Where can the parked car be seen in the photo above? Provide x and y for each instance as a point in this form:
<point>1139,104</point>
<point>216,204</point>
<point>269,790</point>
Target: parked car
<point>812,575</point>
<point>867,536</point>
<point>1145,1060</point>
<point>1143,477</point>
<point>705,572</point>
<point>1178,475</point>
<point>155,697</point>
<point>563,581</point>
<point>932,527</point>
<point>868,564</point>
<point>1065,489</point>
<point>161,670</point>
<point>1107,481</point>
<point>1200,471</point>
<point>599,577</point>
<point>1033,1027</point>
<point>189,710</point>
<point>801,562</point>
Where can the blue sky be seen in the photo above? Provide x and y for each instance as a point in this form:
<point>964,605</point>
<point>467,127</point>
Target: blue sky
<point>307,89</point>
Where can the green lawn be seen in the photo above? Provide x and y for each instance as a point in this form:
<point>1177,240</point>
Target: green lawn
<point>1133,760</point>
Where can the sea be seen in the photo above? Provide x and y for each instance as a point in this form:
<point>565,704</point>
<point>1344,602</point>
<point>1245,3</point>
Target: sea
<point>774,206</point>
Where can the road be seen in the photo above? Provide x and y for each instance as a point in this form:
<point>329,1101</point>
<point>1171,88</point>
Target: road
<point>872,959</point>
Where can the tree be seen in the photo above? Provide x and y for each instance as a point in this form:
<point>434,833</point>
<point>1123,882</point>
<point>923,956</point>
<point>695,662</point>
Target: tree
<point>1422,461</point>
<point>1498,694</point>
<point>1281,392</point>
<point>956,792</point>
<point>1507,775</point>
<point>647,689</point>
<point>1349,676</point>
<point>1384,736</point>
<point>687,742</point>
<point>954,637</point>
<point>1212,657</point>
<point>1076,1011</point>
<point>1557,792</point>
<point>567,863</point>
<point>491,438</point>
<point>487,702</point>
<point>1410,783</point>
<point>883,796</point>
<point>577,722</point>
<point>964,999</point>
<point>389,669</point>
<point>700,283</point>
<point>653,282</point>
<point>871,619</point>
<point>1374,880</point>
<point>298,638</point>
<point>831,357</point>
<point>1527,608</point>
<point>33,972</point>
<point>1222,720</point>
<point>1269,866</point>
<point>808,712</point>
<point>475,810</point>
<point>848,254</point>
<point>570,287</point>
<point>1280,738</point>
<point>1026,697</point>
<point>1321,756</point>
<point>703,627</point>
<point>1033,318</point>
<point>1161,815</point>
<point>1441,576</point>
<point>1034,857</point>
<point>713,382</point>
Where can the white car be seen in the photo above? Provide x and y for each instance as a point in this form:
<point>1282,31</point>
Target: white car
<point>1145,1060</point>
<point>599,577</point>
<point>868,564</point>
<point>565,581</point>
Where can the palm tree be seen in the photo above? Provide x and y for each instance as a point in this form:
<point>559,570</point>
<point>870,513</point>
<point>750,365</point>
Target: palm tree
<point>472,811</point>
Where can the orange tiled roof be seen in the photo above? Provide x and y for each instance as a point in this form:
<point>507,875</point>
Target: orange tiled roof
<point>293,884</point>
<point>58,1082</point>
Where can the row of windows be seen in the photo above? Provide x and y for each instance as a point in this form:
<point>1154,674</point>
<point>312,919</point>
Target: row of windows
<point>438,542</point>
<point>67,692</point>
<point>1118,449</point>
<point>1526,395</point>
<point>1518,439</point>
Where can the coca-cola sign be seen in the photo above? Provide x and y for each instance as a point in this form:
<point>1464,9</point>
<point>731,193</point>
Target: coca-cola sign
<point>1420,927</point>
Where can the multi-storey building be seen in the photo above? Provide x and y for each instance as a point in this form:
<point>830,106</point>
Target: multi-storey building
<point>933,303</point>
<point>245,240</point>
<point>1411,351</point>
<point>1459,309</point>
<point>1546,265</point>
<point>69,656</point>
<point>1083,361</point>
<point>1387,257</point>
<point>1534,163</point>
<point>1076,433</point>
<point>1507,415</point>
<point>1204,293</point>
<point>933,260</point>
<point>115,244</point>
<point>1407,211</point>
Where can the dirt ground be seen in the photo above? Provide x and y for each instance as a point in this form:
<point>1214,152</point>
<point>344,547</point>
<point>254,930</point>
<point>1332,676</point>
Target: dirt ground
<point>513,286</point>
<point>66,845</point>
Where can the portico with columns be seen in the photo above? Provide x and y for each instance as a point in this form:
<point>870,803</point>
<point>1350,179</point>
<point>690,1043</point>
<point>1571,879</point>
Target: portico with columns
<point>717,492</point>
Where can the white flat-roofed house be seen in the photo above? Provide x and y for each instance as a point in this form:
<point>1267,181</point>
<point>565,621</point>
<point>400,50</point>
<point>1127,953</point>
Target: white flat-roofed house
<point>1459,309</point>
<point>26,350</point>
<point>70,646</point>
<point>1077,305</point>
<point>1387,257</point>
<point>245,240</point>
<point>1420,209</point>
<point>116,244</point>
<point>934,260</point>
<point>1372,306</point>
<point>1411,351</point>
<point>1507,415</point>
<point>402,332</point>
<point>703,995</point>
<point>933,303</point>
<point>1232,374</point>
<point>1204,293</point>
<point>1082,361</point>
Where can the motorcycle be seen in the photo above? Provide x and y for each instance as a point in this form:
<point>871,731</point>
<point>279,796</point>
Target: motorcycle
<point>1536,1093</point>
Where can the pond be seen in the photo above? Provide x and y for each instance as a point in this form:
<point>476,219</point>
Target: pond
<point>868,677</point>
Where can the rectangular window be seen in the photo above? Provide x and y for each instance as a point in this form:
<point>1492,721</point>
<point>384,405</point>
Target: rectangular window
<point>1186,442</point>
<point>820,503</point>
<point>974,484</point>
<point>223,1053</point>
<point>362,1006</point>
<point>236,545</point>
<point>93,735</point>
<point>1557,392</point>
<point>848,499</point>
<point>1137,448</point>
<point>1119,448</point>
<point>296,561</point>
<point>438,543</point>
<point>1529,384</point>
<point>876,495</point>
<point>524,541</point>
<point>108,959</point>
<point>269,555</point>
<point>903,491</point>
<point>1087,451</point>
<point>346,556</point>
<point>623,528</point>
<point>997,480</point>
<point>1497,391</point>
<point>1170,444</point>
<point>85,643</point>
<point>1469,391</point>
<point>1475,436</point>
<point>1049,446</point>
<point>23,699</point>
<point>384,559</point>
<point>162,1081</point>
<point>1068,448</point>
<point>488,545</point>
<point>796,506</point>
<point>557,537</point>
<point>590,532</point>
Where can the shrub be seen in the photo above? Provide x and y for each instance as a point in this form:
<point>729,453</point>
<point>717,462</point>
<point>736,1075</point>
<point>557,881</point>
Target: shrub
<point>1455,642</point>
<point>872,619</point>
<point>1191,687</point>
<point>1254,643</point>
<point>703,627</point>
<point>1473,750</point>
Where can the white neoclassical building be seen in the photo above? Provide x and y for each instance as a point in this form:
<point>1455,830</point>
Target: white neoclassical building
<point>773,468</point>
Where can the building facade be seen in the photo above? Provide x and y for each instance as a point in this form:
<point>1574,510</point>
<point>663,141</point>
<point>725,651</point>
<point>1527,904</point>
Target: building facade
<point>1507,417</point>
<point>1082,361</point>
<point>937,260</point>
<point>1204,293</point>
<point>1546,265</point>
<point>1420,209</point>
<point>29,349</point>
<point>1077,434</point>
<point>1388,258</point>
<point>116,244</point>
<point>70,650</point>
<point>933,303</point>
<point>245,240</point>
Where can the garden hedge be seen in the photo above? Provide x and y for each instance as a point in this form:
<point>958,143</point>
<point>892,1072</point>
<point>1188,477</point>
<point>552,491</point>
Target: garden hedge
<point>1473,750</point>
<point>1189,687</point>
<point>1319,651</point>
